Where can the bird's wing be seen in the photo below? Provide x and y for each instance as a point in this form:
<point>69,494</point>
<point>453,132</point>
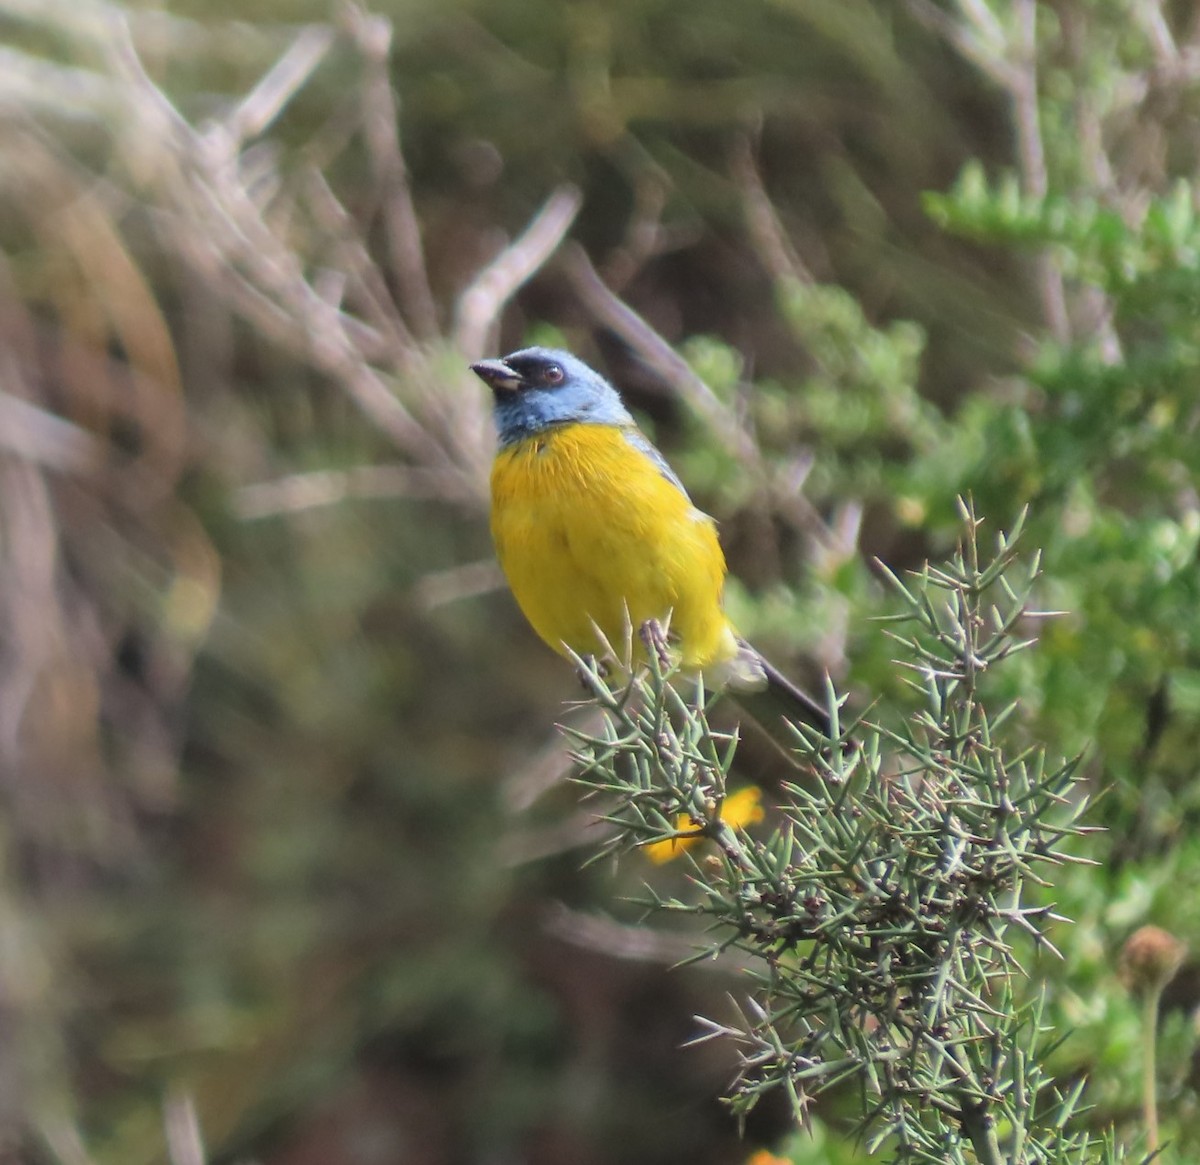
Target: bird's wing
<point>643,444</point>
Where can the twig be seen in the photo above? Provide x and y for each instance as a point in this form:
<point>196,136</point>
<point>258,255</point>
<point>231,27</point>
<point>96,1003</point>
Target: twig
<point>529,844</point>
<point>1012,64</point>
<point>544,770</point>
<point>1096,307</point>
<point>643,235</point>
<point>66,1143</point>
<point>1150,1004</point>
<point>29,83</point>
<point>1031,153</point>
<point>361,266</point>
<point>27,430</point>
<point>173,127</point>
<point>767,235</point>
<point>658,355</point>
<point>1150,15</point>
<point>636,944</point>
<point>467,581</point>
<point>782,262</point>
<point>977,46</point>
<point>263,104</point>
<point>480,305</point>
<point>373,35</point>
<point>185,1145</point>
<point>980,1127</point>
<point>30,432</point>
<point>985,22</point>
<point>308,491</point>
<point>335,353</point>
<point>218,215</point>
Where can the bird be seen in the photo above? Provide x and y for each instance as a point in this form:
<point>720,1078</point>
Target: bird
<point>597,536</point>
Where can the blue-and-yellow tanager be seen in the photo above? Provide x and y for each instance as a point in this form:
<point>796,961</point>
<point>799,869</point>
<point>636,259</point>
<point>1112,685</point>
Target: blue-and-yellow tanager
<point>595,533</point>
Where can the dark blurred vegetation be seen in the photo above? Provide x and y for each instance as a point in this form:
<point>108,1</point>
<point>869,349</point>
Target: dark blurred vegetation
<point>287,851</point>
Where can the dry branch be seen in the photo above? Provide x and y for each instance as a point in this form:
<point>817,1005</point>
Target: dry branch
<point>479,307</point>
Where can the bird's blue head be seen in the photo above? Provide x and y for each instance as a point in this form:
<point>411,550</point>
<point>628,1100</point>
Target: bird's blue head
<point>539,387</point>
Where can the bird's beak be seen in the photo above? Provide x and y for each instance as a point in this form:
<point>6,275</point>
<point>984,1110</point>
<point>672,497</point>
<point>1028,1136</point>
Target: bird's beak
<point>497,375</point>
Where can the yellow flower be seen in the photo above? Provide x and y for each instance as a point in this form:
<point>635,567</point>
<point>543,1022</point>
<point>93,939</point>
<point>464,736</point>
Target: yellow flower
<point>739,810</point>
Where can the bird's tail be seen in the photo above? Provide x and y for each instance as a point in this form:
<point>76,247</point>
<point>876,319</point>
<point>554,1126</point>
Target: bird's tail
<point>771,698</point>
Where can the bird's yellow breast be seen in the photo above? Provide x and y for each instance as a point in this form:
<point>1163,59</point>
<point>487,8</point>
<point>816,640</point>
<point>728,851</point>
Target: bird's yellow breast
<point>587,527</point>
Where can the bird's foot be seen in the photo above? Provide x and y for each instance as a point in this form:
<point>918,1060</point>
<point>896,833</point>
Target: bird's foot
<point>654,637</point>
<point>591,666</point>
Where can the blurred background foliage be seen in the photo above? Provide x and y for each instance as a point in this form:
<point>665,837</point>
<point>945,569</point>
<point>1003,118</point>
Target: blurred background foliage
<point>287,855</point>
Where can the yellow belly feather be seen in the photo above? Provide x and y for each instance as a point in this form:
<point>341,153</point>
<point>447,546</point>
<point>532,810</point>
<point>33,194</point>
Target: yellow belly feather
<point>586,526</point>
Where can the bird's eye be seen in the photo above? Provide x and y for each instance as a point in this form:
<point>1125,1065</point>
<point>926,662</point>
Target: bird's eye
<point>554,374</point>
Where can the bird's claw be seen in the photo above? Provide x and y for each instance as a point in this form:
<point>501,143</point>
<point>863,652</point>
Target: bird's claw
<point>654,637</point>
<point>589,667</point>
